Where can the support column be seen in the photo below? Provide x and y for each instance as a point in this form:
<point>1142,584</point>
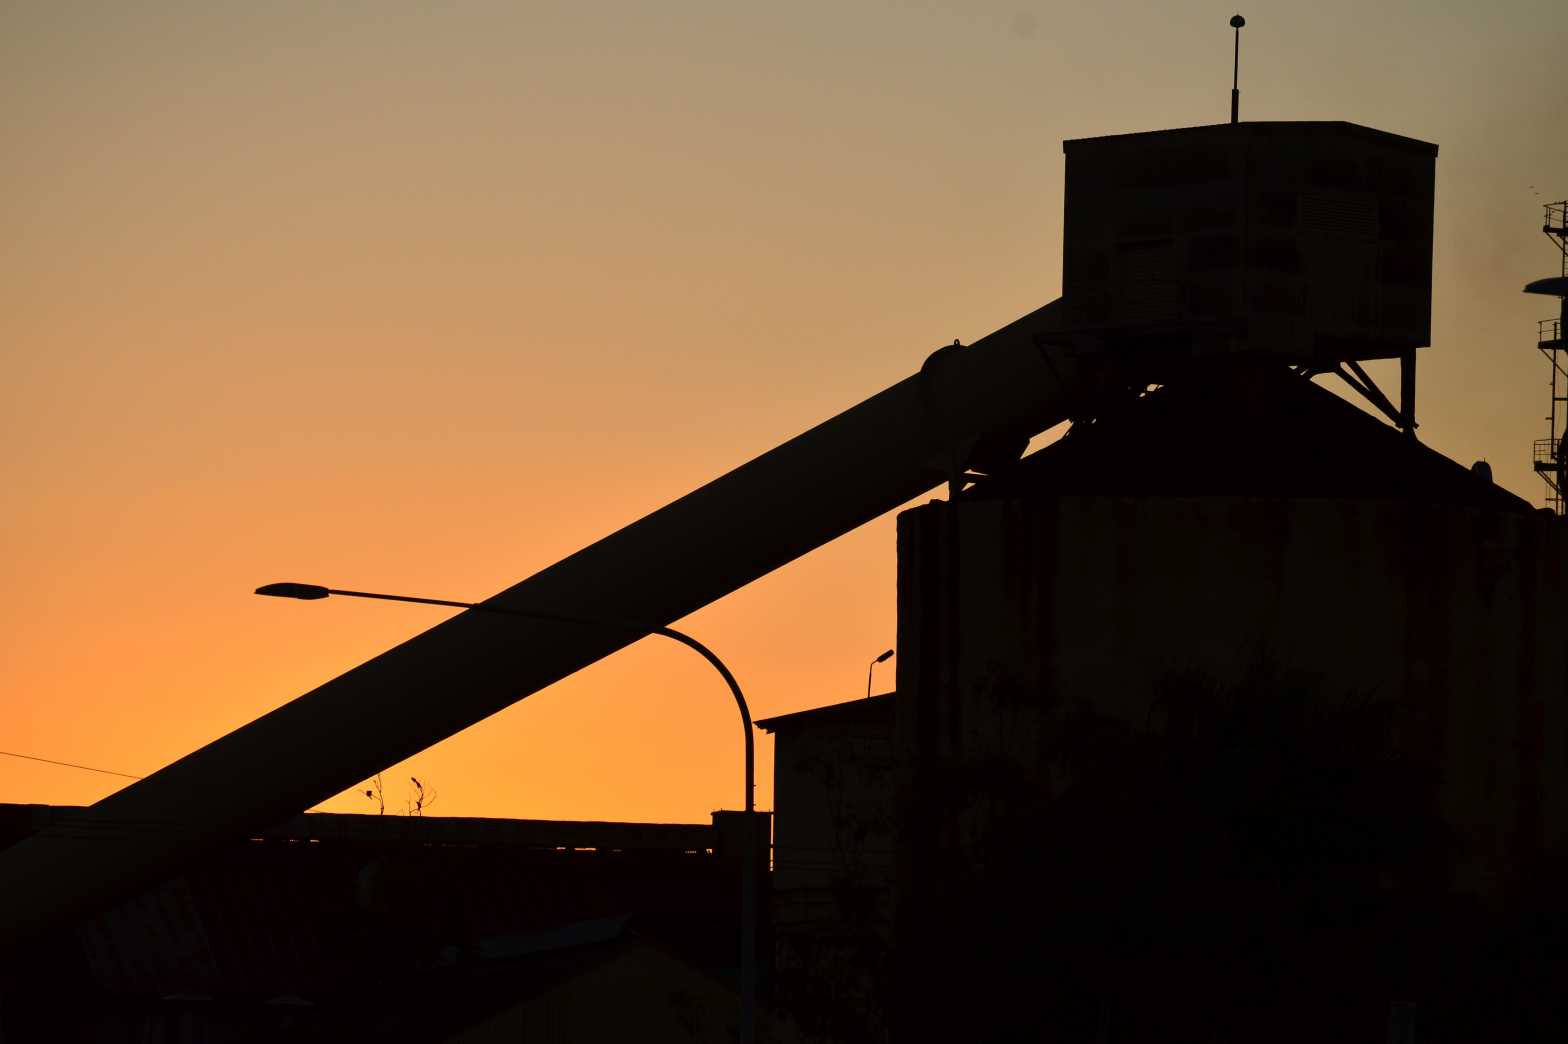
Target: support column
<point>1407,392</point>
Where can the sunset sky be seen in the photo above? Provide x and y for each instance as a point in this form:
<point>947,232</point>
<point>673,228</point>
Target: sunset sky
<point>421,297</point>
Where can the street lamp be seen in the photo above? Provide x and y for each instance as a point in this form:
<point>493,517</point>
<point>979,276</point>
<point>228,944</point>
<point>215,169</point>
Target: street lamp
<point>748,915</point>
<point>880,659</point>
<point>1236,22</point>
<point>313,592</point>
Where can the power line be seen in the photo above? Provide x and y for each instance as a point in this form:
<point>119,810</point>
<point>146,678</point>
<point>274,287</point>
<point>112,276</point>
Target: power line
<point>90,768</point>
<point>70,764</point>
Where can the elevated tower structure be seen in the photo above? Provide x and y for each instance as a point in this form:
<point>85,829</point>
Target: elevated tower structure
<point>1551,453</point>
<point>1309,244</point>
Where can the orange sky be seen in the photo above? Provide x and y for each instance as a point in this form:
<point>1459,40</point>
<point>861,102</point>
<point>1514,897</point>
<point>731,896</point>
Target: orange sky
<point>420,298</point>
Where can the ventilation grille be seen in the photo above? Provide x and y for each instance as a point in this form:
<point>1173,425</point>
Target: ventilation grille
<point>1151,290</point>
<point>1339,217</point>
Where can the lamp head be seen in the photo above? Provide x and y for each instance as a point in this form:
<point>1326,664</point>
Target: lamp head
<point>304,592</point>
<point>884,657</point>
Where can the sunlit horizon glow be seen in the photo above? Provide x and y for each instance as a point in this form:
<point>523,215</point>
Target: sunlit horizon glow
<point>419,299</point>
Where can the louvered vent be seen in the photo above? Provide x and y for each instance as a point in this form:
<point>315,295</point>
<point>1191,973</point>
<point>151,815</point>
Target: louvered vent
<point>1339,217</point>
<point>1151,290</point>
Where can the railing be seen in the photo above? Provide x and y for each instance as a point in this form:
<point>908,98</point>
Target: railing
<point>1546,467</point>
<point>1556,216</point>
<point>1549,331</point>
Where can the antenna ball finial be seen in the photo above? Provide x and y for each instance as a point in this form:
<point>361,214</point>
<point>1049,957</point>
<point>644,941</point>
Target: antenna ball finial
<point>1236,21</point>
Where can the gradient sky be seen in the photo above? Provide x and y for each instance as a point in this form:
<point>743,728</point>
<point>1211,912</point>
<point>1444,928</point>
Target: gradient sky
<point>422,297</point>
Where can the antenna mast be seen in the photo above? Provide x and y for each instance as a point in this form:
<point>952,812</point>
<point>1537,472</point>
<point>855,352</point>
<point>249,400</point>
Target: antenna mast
<point>1236,22</point>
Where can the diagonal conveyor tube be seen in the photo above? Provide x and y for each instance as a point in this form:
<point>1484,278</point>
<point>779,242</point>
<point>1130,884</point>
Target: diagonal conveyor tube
<point>818,486</point>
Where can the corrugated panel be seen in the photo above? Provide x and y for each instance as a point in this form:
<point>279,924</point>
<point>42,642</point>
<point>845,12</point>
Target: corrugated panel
<point>143,945</point>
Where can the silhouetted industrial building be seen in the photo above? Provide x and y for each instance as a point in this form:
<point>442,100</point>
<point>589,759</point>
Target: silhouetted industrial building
<point>1234,634</point>
<point>416,928</point>
<point>1234,715</point>
<point>834,773</point>
<point>1158,650</point>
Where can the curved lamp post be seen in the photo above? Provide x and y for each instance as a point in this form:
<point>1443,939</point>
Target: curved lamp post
<point>748,941</point>
<point>313,592</point>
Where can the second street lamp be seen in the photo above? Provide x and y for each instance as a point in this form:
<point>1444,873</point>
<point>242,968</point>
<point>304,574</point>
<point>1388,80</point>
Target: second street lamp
<point>748,943</point>
<point>880,659</point>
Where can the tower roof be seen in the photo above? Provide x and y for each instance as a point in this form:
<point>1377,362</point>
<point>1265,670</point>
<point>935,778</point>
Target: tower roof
<point>1252,431</point>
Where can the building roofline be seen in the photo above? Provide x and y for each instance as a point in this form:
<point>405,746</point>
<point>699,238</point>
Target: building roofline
<point>849,710</point>
<point>437,830</point>
<point>1268,129</point>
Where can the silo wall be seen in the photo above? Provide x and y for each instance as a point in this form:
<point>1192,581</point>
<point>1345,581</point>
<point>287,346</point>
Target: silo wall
<point>1014,612</point>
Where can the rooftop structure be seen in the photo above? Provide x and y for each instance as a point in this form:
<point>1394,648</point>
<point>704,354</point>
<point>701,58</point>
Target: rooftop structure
<point>1310,243</point>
